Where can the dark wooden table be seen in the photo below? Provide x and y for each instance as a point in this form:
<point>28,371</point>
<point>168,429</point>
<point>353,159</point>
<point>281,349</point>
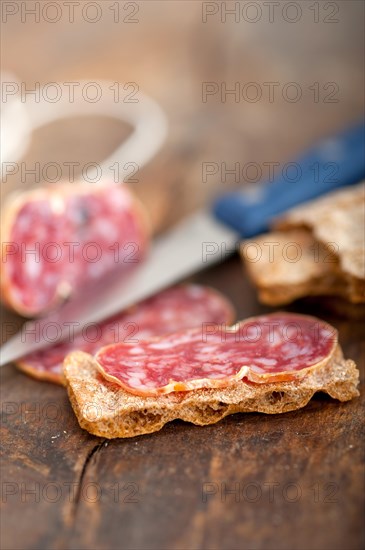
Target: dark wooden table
<point>292,481</point>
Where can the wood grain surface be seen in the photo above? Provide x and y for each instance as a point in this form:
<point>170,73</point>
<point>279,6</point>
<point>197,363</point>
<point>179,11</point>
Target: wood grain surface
<point>292,481</point>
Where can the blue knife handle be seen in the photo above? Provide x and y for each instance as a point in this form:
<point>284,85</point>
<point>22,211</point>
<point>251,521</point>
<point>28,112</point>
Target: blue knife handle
<point>333,162</point>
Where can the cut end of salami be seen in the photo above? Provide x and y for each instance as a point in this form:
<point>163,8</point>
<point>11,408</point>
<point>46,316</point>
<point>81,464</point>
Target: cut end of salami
<point>264,349</point>
<point>57,239</point>
<point>178,308</point>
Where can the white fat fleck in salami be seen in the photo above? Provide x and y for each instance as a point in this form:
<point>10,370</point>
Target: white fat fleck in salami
<point>264,349</point>
<point>65,236</point>
<point>171,310</point>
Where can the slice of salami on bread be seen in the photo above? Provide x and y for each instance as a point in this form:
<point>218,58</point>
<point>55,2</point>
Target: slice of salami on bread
<point>107,410</point>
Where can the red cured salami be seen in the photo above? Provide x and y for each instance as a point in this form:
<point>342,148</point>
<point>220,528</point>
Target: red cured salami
<point>174,309</point>
<point>268,348</point>
<point>59,238</point>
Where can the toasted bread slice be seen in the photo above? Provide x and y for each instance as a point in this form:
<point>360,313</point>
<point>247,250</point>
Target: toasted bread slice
<point>315,249</point>
<point>291,265</point>
<point>105,409</point>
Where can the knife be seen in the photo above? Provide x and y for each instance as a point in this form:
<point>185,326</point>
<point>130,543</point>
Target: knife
<point>200,240</point>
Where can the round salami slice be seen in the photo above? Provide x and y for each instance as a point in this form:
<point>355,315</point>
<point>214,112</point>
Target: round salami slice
<point>171,310</point>
<point>268,348</point>
<point>61,237</point>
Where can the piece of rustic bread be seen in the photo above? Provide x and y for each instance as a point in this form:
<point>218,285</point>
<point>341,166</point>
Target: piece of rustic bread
<point>315,249</point>
<point>105,409</point>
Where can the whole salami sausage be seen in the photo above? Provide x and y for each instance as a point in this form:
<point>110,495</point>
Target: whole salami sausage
<point>174,309</point>
<point>59,238</point>
<point>264,349</point>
